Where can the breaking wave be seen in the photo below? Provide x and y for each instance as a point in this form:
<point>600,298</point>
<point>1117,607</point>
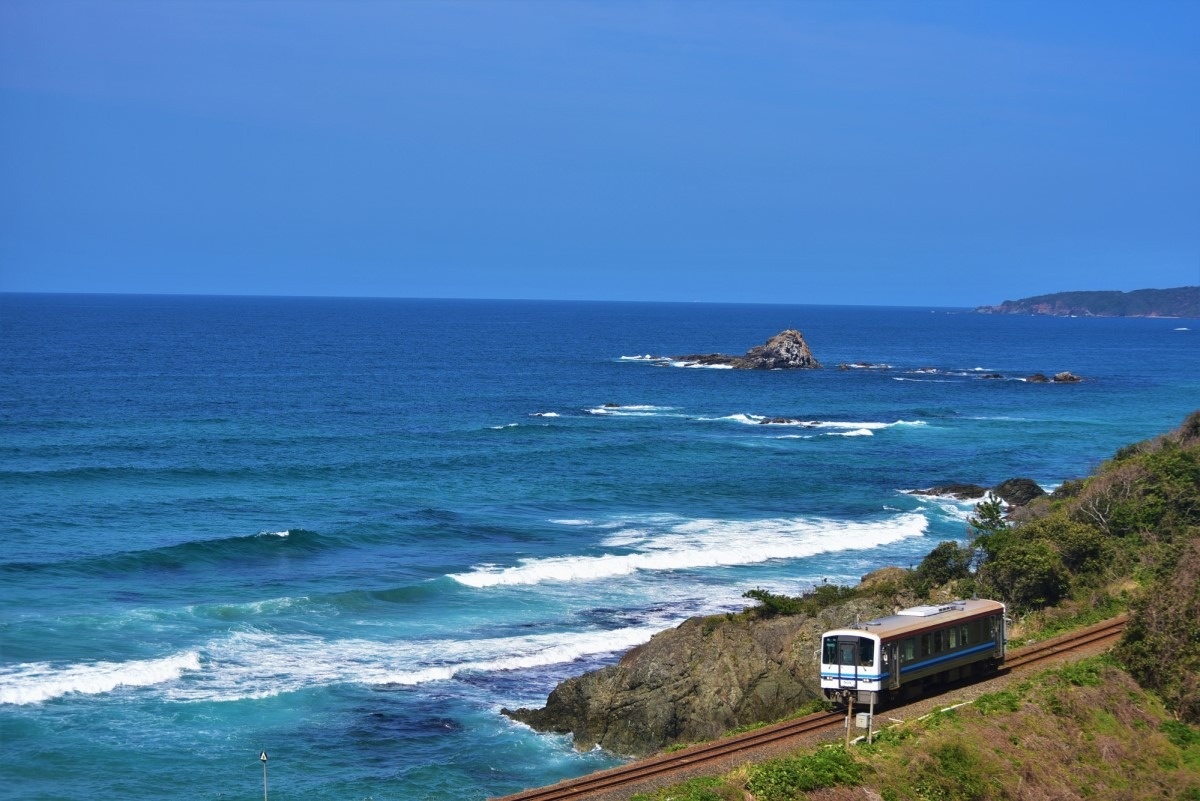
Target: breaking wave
<point>696,544</point>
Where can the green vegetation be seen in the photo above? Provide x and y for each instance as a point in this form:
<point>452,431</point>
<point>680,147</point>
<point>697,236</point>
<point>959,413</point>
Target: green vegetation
<point>787,777</point>
<point>1095,734</point>
<point>811,603</point>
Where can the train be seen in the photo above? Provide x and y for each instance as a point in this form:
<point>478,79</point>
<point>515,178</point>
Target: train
<point>901,655</point>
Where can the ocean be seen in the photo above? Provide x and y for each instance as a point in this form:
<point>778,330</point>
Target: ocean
<point>347,532</point>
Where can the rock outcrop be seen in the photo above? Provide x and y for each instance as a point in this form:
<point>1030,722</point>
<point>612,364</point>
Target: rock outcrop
<point>962,492</point>
<point>787,350</point>
<point>1018,491</point>
<point>695,682</point>
<point>1014,492</point>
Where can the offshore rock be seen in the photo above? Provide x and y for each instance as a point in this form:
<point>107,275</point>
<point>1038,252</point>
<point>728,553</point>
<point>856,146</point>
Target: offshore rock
<point>696,682</point>
<point>1018,491</point>
<point>1066,378</point>
<point>787,350</point>
<point>962,492</point>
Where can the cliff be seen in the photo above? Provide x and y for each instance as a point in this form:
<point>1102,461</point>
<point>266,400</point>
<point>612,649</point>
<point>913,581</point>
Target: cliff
<point>699,680</point>
<point>1179,302</point>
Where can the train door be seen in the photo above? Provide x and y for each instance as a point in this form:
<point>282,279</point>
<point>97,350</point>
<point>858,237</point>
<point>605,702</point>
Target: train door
<point>891,664</point>
<point>847,658</point>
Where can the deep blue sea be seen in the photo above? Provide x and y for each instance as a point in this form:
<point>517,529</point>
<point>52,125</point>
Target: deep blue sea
<point>347,532</point>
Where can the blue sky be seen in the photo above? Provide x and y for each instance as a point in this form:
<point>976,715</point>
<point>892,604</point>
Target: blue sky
<point>906,153</point>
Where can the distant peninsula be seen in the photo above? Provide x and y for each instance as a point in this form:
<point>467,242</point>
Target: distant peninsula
<point>1182,301</point>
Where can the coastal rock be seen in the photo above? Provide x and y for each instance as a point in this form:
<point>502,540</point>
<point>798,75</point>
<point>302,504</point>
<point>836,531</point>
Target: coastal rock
<point>1014,492</point>
<point>695,682</point>
<point>963,492</point>
<point>787,350</point>
<point>1018,491</point>
<point>1065,377</point>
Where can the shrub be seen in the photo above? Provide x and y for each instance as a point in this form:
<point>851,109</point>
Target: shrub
<point>704,788</point>
<point>947,562</point>
<point>1029,573</point>
<point>811,603</point>
<point>783,779</point>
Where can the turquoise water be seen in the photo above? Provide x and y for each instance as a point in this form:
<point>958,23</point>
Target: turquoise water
<point>349,531</point>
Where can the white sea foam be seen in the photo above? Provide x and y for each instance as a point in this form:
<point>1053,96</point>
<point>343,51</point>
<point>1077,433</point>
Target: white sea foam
<point>632,410</point>
<point>274,533</point>
<point>506,425</point>
<point>858,432</point>
<point>259,664</point>
<point>665,545</point>
<point>644,358</point>
<point>699,366</point>
<point>35,682</point>
<point>545,414</point>
<point>1181,329</point>
<point>855,427</point>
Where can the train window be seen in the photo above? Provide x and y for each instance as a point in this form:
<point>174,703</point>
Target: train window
<point>866,652</point>
<point>830,657</point>
<point>926,644</point>
<point>910,649</point>
<point>952,637</point>
<point>962,634</point>
<point>937,642</point>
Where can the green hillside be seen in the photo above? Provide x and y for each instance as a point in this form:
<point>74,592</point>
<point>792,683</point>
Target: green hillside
<point>1182,301</point>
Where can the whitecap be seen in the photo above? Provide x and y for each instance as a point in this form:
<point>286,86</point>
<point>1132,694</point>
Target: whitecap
<point>858,432</point>
<point>259,664</point>
<point>699,366</point>
<point>697,544</point>
<point>632,410</point>
<point>35,682</point>
<point>545,414</point>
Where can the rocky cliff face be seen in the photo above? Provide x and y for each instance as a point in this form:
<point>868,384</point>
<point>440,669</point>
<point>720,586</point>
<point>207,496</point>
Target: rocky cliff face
<point>696,682</point>
<point>787,350</point>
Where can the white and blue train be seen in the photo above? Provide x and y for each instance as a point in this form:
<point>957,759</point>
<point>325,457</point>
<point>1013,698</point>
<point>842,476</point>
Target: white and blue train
<point>899,655</point>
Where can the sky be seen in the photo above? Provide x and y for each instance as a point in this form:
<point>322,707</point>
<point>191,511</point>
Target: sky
<point>852,152</point>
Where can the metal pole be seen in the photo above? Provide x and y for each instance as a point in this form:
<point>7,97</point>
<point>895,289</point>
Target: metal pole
<point>263,758</point>
<point>871,720</point>
<point>849,716</point>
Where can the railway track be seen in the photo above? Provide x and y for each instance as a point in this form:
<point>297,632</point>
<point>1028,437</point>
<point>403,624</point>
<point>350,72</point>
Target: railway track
<point>665,768</point>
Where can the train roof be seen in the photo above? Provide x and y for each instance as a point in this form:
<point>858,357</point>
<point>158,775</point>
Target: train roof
<point>918,618</point>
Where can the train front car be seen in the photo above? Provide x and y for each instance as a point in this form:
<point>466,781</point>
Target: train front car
<point>907,652</point>
<point>850,665</point>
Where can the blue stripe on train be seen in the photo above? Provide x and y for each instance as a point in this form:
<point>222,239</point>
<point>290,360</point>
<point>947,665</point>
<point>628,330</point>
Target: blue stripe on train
<point>924,663</point>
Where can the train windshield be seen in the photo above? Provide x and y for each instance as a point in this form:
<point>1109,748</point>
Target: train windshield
<point>845,650</point>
